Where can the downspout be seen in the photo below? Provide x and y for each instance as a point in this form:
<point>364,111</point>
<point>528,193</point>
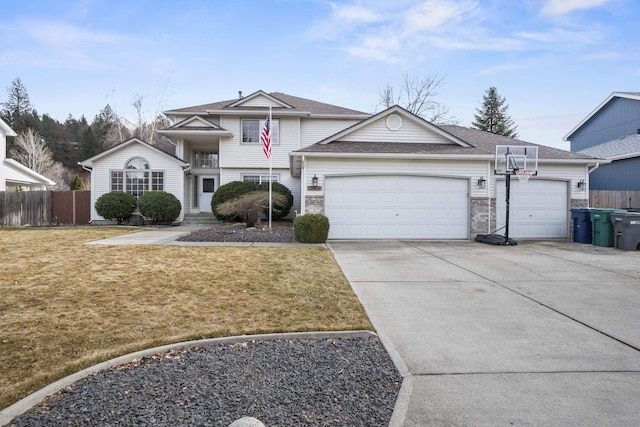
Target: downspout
<point>594,168</point>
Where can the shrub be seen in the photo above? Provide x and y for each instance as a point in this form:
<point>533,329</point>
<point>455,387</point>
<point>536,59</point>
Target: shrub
<point>276,187</point>
<point>311,228</point>
<point>76,184</point>
<point>229,192</point>
<point>248,207</point>
<point>115,205</point>
<point>159,206</point>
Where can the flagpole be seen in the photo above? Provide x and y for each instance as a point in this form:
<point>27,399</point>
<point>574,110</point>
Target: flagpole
<point>270,176</point>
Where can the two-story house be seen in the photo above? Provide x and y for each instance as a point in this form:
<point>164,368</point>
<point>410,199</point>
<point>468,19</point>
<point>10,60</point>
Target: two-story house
<point>15,176</point>
<point>388,175</point>
<point>611,132</point>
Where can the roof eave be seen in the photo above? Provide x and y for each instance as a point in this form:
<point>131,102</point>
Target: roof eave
<point>598,108</point>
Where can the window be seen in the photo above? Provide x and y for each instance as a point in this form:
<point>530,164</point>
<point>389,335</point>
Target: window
<point>205,159</point>
<point>251,129</point>
<point>259,179</point>
<point>136,178</point>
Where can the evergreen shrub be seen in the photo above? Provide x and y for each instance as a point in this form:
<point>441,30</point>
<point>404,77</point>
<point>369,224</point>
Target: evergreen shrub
<point>116,205</point>
<point>276,187</point>
<point>235,189</point>
<point>159,206</point>
<point>227,192</point>
<point>311,228</point>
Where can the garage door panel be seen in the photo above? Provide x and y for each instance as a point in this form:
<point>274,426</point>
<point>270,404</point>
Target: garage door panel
<point>539,208</point>
<point>397,207</point>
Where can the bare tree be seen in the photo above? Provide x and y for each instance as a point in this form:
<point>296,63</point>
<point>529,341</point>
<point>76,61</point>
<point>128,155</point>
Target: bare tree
<point>417,95</point>
<point>147,130</point>
<point>32,151</point>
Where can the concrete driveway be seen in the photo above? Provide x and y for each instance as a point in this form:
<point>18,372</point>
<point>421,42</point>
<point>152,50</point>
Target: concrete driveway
<point>542,333</point>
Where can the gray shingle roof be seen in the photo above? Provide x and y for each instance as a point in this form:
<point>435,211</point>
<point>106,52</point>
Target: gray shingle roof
<point>482,143</point>
<point>299,104</point>
<point>628,145</point>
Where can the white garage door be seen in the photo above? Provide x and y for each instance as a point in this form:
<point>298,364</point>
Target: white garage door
<point>397,207</point>
<point>538,209</point>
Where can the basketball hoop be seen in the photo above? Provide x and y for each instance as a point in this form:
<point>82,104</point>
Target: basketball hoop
<point>523,175</point>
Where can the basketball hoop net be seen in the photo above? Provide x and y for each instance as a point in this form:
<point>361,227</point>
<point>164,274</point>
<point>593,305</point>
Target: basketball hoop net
<point>524,175</point>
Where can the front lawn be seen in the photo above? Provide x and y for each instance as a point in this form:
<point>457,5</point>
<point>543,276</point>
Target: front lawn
<point>66,306</point>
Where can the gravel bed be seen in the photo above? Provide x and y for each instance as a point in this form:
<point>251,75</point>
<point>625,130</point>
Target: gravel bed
<point>304,382</point>
<point>281,231</point>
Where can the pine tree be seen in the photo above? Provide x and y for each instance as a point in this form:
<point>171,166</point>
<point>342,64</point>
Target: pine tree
<point>17,106</point>
<point>493,116</point>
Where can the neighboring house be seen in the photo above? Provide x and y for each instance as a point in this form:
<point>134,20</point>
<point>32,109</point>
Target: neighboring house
<point>389,175</point>
<point>15,176</point>
<point>611,132</point>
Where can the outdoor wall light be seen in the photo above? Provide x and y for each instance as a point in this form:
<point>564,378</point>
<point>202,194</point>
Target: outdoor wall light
<point>482,182</point>
<point>188,175</point>
<point>314,181</point>
<point>581,183</point>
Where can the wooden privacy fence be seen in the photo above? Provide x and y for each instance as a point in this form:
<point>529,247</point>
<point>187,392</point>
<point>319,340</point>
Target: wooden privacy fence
<point>38,208</point>
<point>614,199</point>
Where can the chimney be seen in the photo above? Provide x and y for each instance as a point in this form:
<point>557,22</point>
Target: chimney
<point>240,97</point>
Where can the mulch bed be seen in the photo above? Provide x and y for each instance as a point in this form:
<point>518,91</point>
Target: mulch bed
<point>280,231</point>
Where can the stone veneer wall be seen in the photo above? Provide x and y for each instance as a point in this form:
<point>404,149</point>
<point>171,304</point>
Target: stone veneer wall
<point>313,204</point>
<point>480,219</point>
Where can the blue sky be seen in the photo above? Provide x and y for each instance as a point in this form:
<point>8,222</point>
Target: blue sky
<point>553,60</point>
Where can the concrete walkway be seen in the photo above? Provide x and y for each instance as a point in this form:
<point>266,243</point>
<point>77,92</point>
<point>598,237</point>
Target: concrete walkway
<point>543,333</point>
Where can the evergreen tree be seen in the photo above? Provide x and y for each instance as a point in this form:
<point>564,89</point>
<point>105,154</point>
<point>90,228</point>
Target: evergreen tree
<point>493,116</point>
<point>18,106</point>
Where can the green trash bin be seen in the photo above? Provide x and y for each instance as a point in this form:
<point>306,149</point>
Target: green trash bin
<point>601,227</point>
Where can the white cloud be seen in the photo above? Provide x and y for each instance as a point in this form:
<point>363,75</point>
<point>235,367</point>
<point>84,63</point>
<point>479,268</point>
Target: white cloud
<point>433,14</point>
<point>562,7</point>
<point>354,13</point>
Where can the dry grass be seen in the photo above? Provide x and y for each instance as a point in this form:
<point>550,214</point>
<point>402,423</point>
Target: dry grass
<point>66,305</point>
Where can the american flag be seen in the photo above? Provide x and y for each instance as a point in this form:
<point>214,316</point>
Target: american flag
<point>265,136</point>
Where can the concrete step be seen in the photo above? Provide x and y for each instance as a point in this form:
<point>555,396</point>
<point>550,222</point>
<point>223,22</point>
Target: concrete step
<point>200,219</point>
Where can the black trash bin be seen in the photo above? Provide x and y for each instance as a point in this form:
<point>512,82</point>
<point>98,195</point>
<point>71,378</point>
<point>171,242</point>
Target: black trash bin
<point>581,218</point>
<point>626,230</point>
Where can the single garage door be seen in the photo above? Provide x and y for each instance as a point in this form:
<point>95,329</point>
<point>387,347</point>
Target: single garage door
<point>397,207</point>
<point>539,208</point>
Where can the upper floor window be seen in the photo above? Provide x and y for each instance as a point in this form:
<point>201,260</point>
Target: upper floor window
<point>205,159</point>
<point>251,129</point>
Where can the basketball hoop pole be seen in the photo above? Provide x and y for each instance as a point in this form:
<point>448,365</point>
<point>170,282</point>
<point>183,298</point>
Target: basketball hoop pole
<point>508,196</point>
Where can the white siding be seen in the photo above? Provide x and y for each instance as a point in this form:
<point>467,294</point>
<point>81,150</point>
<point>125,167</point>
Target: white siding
<point>566,172</point>
<point>444,168</point>
<point>3,152</point>
<point>101,177</point>
<point>260,101</point>
<point>234,154</point>
<point>410,132</point>
<point>315,130</point>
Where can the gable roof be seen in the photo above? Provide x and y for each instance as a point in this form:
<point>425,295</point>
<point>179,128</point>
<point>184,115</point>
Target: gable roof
<point>194,124</point>
<point>17,172</point>
<point>624,147</point>
<point>89,162</point>
<point>462,142</point>
<point>627,95</point>
<point>286,105</point>
<point>403,114</point>
<point>6,129</point>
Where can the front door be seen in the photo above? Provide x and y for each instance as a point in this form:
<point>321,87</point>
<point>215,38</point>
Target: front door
<point>206,186</point>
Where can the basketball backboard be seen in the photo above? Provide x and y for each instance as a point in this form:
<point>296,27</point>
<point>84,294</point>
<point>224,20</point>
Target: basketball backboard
<point>510,158</point>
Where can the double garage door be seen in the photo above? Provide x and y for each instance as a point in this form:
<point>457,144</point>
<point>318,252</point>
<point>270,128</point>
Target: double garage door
<point>397,207</point>
<point>538,209</point>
